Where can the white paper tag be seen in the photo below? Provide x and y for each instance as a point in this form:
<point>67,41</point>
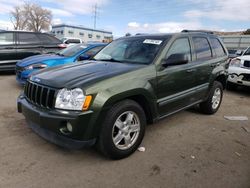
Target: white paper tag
<point>150,41</point>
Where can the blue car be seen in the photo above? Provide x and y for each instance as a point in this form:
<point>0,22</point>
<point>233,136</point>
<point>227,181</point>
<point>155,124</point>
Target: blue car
<point>78,52</point>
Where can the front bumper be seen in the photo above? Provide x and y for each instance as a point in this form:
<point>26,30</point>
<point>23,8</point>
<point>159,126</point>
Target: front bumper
<point>239,75</point>
<point>49,125</point>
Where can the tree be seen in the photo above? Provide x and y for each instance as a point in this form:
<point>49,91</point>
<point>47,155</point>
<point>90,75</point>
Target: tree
<point>31,16</point>
<point>247,32</point>
<point>127,34</point>
<point>18,18</point>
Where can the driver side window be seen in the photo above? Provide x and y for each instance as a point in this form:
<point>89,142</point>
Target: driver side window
<point>180,46</point>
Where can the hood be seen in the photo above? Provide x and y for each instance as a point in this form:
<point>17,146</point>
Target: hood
<point>38,59</point>
<point>81,74</point>
<point>244,57</point>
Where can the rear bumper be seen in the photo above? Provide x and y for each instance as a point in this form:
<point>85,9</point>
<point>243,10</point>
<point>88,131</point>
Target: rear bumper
<point>48,125</point>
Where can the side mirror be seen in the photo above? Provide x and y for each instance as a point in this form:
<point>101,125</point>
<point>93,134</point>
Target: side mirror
<point>239,52</point>
<point>83,57</point>
<point>175,59</point>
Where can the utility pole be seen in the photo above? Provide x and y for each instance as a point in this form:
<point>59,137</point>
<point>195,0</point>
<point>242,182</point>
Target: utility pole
<point>95,15</point>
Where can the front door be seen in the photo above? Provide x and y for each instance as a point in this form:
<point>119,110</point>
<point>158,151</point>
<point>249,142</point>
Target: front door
<point>175,84</point>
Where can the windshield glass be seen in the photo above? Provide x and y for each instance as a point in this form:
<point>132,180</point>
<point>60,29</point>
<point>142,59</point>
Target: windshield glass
<point>141,50</point>
<point>247,52</point>
<point>72,50</point>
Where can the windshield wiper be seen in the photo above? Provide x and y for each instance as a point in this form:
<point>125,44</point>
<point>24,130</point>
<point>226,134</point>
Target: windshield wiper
<point>111,60</point>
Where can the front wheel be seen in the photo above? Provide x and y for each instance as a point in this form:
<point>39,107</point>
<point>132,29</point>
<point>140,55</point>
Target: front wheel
<point>213,102</point>
<point>122,130</point>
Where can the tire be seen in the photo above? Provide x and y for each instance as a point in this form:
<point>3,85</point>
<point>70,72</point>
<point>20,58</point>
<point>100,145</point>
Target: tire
<point>231,86</point>
<point>116,139</point>
<point>213,102</point>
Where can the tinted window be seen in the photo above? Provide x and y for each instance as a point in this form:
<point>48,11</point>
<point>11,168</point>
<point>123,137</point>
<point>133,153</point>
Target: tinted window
<point>76,41</point>
<point>6,38</point>
<point>202,48</point>
<point>180,46</point>
<point>28,38</point>
<point>217,47</point>
<point>48,39</point>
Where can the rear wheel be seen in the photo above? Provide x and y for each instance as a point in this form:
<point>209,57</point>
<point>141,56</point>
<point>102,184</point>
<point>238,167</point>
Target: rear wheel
<point>212,104</point>
<point>123,130</point>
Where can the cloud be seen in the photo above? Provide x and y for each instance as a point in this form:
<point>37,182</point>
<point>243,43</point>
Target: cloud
<point>133,25</point>
<point>164,27</point>
<point>235,10</point>
<point>60,12</point>
<point>7,5</point>
<point>56,21</point>
<point>81,7</point>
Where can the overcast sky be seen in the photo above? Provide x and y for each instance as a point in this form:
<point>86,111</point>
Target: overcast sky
<point>145,16</point>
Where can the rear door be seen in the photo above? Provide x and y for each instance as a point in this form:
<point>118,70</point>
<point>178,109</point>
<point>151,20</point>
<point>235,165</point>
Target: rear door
<point>28,44</point>
<point>7,50</point>
<point>175,84</point>
<point>204,61</point>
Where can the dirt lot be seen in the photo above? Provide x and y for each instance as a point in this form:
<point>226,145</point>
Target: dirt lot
<point>185,150</point>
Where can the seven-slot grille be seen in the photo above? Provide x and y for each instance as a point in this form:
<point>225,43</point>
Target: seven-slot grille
<point>39,95</point>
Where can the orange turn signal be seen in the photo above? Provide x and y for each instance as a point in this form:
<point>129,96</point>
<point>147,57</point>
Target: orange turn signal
<point>87,102</point>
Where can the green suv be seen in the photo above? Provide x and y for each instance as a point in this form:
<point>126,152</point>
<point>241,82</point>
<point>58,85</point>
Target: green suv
<point>108,100</point>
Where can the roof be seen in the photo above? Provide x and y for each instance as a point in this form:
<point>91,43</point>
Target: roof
<point>80,27</point>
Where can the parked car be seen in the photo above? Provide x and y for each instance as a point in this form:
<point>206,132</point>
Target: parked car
<point>71,41</point>
<point>239,70</point>
<point>75,53</point>
<point>133,81</point>
<point>17,45</point>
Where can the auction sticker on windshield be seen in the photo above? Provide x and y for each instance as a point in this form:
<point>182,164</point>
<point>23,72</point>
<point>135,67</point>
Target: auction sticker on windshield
<point>150,41</point>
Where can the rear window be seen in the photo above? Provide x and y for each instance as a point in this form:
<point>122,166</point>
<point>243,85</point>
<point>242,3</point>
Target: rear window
<point>6,38</point>
<point>49,39</point>
<point>28,38</point>
<point>202,48</point>
<point>75,41</point>
<point>217,47</point>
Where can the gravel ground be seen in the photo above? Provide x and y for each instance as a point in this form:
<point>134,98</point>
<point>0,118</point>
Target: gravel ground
<point>187,149</point>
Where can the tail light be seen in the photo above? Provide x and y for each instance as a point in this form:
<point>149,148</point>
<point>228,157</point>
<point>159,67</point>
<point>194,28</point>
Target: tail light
<point>62,45</point>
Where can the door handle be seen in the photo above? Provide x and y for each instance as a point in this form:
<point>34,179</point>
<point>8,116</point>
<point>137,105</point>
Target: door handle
<point>190,70</point>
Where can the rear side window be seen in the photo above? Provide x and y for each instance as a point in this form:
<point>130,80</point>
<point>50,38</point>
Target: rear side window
<point>49,39</point>
<point>217,47</point>
<point>28,38</point>
<point>202,48</point>
<point>6,38</point>
<point>180,46</point>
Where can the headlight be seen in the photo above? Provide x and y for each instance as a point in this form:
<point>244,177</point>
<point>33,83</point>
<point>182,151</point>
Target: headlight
<point>235,62</point>
<point>72,99</point>
<point>36,66</point>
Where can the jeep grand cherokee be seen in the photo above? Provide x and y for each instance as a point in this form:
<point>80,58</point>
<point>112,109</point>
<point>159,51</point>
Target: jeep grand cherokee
<point>133,81</point>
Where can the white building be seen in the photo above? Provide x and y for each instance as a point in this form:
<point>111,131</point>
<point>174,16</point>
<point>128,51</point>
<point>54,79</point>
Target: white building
<point>86,34</point>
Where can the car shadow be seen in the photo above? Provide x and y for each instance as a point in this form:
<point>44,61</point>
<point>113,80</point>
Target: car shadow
<point>245,91</point>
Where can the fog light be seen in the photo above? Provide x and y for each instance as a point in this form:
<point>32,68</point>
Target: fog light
<point>69,127</point>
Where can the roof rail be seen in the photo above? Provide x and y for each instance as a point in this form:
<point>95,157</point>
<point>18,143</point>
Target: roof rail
<point>199,31</point>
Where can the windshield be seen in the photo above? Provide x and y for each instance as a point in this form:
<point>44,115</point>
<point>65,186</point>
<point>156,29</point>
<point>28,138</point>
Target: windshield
<point>247,52</point>
<point>72,50</point>
<point>139,50</point>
